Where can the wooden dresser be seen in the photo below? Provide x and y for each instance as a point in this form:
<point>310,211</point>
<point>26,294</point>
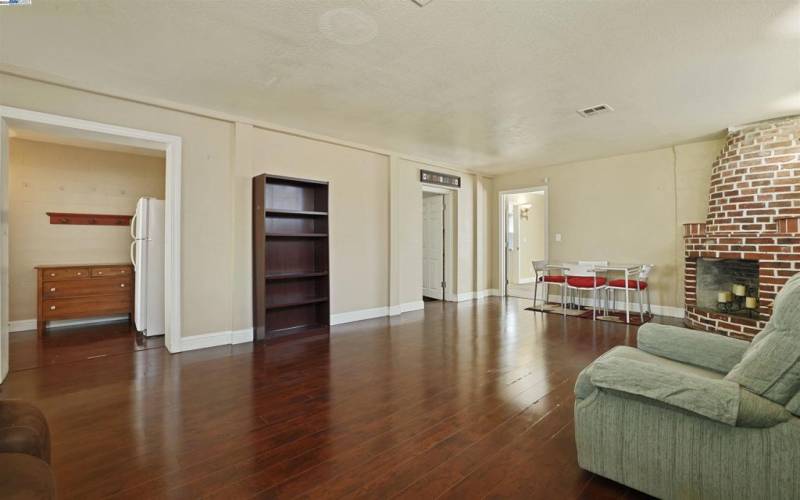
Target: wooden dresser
<point>73,292</point>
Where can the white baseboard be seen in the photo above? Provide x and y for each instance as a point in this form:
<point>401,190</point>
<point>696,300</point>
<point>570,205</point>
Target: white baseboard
<point>489,292</point>
<point>659,310</point>
<point>359,315</point>
<point>407,307</point>
<point>216,339</point>
<point>242,336</point>
<point>23,325</point>
<point>480,294</point>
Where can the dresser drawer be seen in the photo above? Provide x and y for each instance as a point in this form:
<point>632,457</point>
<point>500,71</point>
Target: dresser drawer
<point>111,271</point>
<point>81,307</point>
<point>81,288</point>
<point>65,273</point>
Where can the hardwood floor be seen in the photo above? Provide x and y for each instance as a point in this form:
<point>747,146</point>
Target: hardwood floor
<point>460,400</point>
<point>66,345</point>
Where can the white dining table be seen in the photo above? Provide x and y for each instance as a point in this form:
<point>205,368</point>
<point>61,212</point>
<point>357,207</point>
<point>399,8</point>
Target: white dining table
<point>626,268</point>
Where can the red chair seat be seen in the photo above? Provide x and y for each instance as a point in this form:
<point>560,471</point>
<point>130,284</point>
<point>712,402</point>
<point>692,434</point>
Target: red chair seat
<point>585,281</point>
<point>632,284</point>
<point>554,278</point>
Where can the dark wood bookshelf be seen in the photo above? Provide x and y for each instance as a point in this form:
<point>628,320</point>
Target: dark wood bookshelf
<point>295,213</point>
<point>297,302</point>
<point>290,256</point>
<point>295,276</point>
<point>297,235</point>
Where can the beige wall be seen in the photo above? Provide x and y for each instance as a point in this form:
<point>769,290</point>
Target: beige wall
<point>53,178</point>
<point>624,209</point>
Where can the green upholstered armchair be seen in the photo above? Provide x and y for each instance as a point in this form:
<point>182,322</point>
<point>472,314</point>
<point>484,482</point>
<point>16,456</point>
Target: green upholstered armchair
<point>689,414</point>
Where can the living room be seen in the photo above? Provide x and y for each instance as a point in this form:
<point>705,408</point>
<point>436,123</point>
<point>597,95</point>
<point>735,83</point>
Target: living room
<point>300,142</point>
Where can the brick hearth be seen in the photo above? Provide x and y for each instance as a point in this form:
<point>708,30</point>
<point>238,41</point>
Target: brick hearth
<point>754,214</point>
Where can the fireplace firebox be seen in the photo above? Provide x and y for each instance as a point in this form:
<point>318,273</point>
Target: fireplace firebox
<point>728,286</point>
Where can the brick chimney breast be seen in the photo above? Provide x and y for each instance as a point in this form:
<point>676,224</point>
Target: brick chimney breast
<point>753,216</point>
<point>754,180</point>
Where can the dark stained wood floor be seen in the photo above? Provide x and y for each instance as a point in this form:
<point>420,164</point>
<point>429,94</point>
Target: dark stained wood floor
<point>66,345</point>
<point>467,400</point>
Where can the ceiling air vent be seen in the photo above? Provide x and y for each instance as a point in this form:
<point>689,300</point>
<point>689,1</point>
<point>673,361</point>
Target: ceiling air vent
<point>595,110</point>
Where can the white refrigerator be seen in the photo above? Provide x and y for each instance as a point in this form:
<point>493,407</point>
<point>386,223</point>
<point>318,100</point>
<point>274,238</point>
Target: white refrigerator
<point>147,255</point>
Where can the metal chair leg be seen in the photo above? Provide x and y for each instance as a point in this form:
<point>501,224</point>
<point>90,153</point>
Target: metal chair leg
<point>535,288</point>
<point>649,306</point>
<point>641,307</point>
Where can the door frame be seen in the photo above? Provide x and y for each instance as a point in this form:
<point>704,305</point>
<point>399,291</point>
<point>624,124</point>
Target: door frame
<point>450,260</point>
<point>172,147</point>
<point>501,225</point>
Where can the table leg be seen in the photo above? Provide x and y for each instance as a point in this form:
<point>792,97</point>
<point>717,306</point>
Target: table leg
<point>627,300</point>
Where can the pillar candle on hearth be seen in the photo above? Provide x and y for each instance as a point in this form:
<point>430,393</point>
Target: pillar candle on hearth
<point>739,290</point>
<point>750,302</point>
<point>724,297</point>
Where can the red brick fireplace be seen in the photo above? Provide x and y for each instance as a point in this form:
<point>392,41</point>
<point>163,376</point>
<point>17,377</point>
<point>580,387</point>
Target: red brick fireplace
<point>753,217</point>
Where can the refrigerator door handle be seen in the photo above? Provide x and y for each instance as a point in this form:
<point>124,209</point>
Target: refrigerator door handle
<point>133,259</point>
<point>133,225</point>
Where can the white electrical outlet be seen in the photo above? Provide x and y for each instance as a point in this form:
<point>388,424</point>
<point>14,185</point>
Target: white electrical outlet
<point>558,236</point>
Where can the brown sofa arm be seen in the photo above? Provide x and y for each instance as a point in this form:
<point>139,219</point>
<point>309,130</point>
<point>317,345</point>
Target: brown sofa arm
<point>23,429</point>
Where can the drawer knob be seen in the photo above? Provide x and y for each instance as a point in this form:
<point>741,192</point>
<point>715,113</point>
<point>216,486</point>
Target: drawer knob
<point>52,308</point>
<point>52,275</point>
<point>80,274</point>
<point>122,285</point>
<point>53,289</point>
<point>99,272</point>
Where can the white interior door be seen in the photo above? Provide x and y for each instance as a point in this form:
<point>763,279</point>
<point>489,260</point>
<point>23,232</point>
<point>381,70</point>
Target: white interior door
<point>512,237</point>
<point>433,246</point>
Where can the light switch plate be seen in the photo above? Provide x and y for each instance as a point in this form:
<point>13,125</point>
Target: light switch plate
<point>558,236</point>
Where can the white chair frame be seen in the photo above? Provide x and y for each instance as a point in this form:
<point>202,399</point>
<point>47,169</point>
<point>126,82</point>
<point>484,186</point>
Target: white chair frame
<point>540,270</point>
<point>587,269</point>
<point>639,276</point>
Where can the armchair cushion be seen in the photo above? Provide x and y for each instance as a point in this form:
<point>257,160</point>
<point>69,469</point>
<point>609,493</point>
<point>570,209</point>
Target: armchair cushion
<point>714,399</point>
<point>771,365</point>
<point>707,350</point>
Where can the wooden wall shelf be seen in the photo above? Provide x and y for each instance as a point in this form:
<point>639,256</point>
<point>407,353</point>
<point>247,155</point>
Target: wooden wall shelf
<point>89,219</point>
<point>290,256</point>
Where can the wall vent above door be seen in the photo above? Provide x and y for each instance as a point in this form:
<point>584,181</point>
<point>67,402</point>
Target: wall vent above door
<point>595,110</point>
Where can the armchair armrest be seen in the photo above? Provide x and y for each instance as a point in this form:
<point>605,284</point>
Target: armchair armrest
<point>717,399</point>
<point>706,350</point>
<point>714,399</point>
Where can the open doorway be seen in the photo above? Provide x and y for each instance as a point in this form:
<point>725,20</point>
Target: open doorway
<point>80,280</point>
<point>437,244</point>
<point>524,238</point>
<point>69,188</point>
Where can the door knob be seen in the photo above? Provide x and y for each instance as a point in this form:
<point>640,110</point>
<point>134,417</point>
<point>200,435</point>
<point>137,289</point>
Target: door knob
<point>52,289</point>
<point>122,285</point>
<point>52,308</point>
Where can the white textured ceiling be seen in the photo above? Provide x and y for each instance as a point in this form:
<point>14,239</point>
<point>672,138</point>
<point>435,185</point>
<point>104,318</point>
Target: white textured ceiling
<point>490,85</point>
